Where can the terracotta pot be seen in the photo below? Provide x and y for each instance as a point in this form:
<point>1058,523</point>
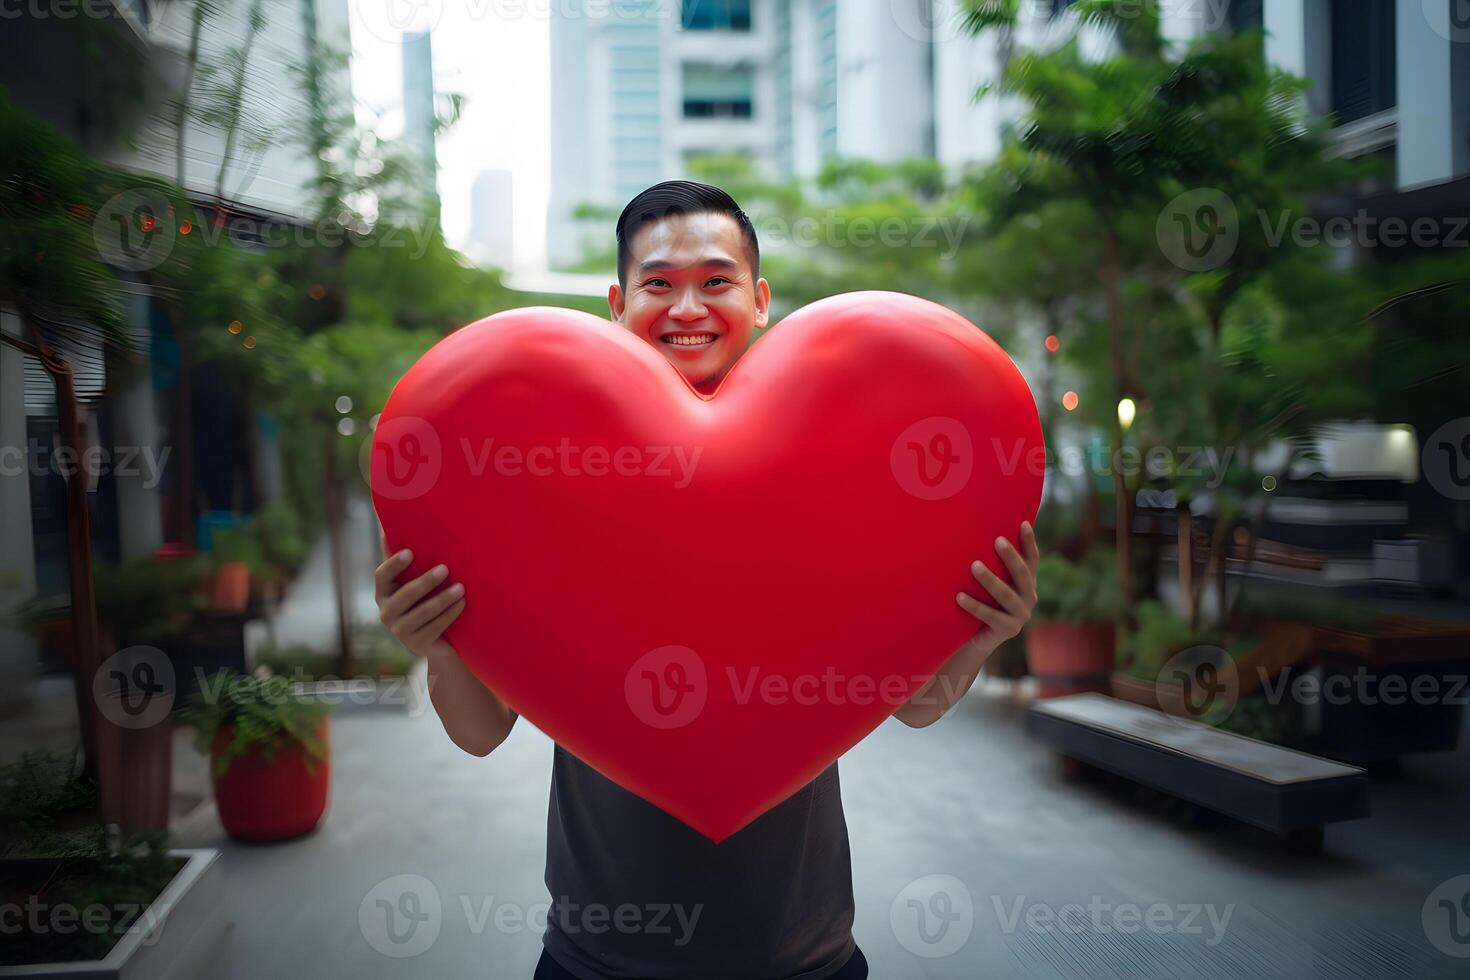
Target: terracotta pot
<point>262,800</point>
<point>229,588</point>
<point>1068,658</point>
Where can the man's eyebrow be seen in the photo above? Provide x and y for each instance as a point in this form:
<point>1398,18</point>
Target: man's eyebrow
<point>716,261</point>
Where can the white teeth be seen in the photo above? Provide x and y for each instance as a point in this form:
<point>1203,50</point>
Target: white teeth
<point>689,341</point>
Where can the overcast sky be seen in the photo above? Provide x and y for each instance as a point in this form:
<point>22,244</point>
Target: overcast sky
<point>499,62</point>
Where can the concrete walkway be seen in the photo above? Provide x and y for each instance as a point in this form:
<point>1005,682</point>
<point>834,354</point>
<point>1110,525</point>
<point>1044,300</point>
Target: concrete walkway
<point>307,615</point>
<point>970,819</point>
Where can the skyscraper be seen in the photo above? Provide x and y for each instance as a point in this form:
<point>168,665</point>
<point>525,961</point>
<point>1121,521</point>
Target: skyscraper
<point>418,109</point>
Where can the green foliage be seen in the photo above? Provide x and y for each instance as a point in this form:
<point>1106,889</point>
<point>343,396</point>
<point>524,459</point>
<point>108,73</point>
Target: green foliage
<point>120,881</point>
<point>151,600</point>
<point>376,653</point>
<point>1078,592</point>
<point>37,794</point>
<point>264,714</point>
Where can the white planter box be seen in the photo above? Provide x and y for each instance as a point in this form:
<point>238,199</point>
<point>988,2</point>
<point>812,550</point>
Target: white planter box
<point>179,938</point>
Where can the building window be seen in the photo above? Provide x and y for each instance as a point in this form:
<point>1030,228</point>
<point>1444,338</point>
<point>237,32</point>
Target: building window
<point>712,92</point>
<point>1363,63</point>
<point>716,15</point>
<point>1245,15</point>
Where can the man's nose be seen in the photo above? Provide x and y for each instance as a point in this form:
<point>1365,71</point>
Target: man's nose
<point>687,307</point>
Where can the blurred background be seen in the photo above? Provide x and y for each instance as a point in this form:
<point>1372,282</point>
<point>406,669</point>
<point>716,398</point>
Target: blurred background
<point>1227,242</point>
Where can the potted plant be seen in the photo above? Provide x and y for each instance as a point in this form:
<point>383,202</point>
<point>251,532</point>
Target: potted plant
<point>150,908</point>
<point>235,556</point>
<point>1069,641</point>
<point>269,753</point>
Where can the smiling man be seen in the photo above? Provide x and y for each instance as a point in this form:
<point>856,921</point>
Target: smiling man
<point>635,892</point>
<point>689,278</point>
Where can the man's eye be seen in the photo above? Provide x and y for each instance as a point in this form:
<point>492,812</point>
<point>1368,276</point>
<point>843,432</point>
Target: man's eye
<point>655,282</point>
<point>717,279</point>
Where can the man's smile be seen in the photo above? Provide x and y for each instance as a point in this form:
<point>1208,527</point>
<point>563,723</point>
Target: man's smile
<point>692,339</point>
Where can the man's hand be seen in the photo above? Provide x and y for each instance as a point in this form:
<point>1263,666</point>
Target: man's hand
<point>949,684</point>
<point>410,613</point>
<point>1016,599</point>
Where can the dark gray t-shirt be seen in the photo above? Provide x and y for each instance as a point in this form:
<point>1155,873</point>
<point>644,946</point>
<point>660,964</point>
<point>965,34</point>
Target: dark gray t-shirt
<point>637,893</point>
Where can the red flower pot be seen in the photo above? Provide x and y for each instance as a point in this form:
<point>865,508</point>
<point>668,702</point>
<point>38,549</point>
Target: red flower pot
<point>229,588</point>
<point>1068,658</point>
<point>275,799</point>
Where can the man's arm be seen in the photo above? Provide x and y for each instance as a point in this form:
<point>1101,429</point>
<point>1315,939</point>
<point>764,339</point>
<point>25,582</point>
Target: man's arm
<point>940,693</point>
<point>473,716</point>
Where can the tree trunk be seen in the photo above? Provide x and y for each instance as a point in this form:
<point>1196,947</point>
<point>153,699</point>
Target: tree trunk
<point>1185,551</point>
<point>79,554</point>
<point>336,543</point>
<point>1124,502</point>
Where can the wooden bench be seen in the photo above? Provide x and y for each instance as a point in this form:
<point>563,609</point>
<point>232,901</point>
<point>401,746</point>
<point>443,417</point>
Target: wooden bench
<point>1278,789</point>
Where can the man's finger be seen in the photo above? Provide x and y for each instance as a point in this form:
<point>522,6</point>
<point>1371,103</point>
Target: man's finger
<point>996,586</point>
<point>1029,546</point>
<point>436,626</point>
<point>386,575</point>
<point>420,615</point>
<point>986,614</point>
<point>401,601</point>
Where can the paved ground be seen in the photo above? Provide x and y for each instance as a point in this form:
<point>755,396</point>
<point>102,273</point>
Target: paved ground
<point>972,799</point>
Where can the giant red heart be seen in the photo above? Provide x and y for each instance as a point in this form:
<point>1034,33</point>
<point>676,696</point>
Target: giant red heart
<point>709,600</point>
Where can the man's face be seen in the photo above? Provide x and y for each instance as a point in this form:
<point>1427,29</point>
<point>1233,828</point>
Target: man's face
<point>692,294</point>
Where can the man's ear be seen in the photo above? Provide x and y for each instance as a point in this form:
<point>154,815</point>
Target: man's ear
<point>762,302</point>
<point>615,302</point>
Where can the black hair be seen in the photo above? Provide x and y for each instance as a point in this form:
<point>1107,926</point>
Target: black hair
<point>680,197</point>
